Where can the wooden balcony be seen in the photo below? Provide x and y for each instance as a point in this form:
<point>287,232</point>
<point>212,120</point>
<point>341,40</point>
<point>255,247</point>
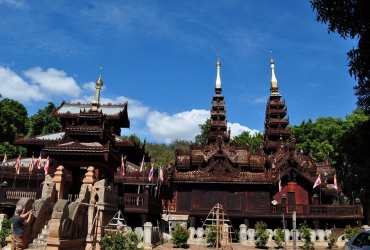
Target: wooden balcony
<point>10,196</point>
<point>279,131</point>
<point>320,211</point>
<point>277,144</point>
<point>280,112</point>
<point>140,203</point>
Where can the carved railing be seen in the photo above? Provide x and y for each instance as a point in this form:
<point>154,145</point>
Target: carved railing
<point>218,112</point>
<point>281,112</point>
<point>220,103</point>
<point>279,121</point>
<point>277,144</point>
<point>277,103</point>
<point>277,131</point>
<point>216,133</point>
<point>323,210</point>
<point>218,123</point>
<point>140,203</point>
<point>12,195</point>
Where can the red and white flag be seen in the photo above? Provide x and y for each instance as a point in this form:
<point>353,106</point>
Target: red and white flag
<point>5,159</point>
<point>30,168</point>
<point>150,176</point>
<point>142,165</point>
<point>280,187</point>
<point>18,165</point>
<point>161,174</point>
<point>318,181</point>
<point>335,182</point>
<point>39,163</point>
<point>46,166</point>
<point>122,169</point>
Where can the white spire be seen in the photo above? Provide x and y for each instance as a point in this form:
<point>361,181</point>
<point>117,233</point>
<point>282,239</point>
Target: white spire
<point>274,86</point>
<point>218,79</point>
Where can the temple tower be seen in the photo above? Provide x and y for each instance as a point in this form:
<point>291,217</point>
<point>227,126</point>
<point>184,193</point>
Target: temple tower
<point>276,131</point>
<point>218,122</point>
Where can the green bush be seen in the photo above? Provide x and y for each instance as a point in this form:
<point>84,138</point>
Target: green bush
<point>349,231</point>
<point>279,237</point>
<point>5,231</point>
<point>180,236</point>
<point>211,234</point>
<point>305,233</point>
<point>120,240</point>
<point>261,233</point>
<point>331,241</point>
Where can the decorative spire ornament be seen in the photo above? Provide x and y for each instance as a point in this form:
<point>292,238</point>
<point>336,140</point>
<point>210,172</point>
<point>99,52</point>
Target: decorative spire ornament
<point>274,85</point>
<point>95,104</point>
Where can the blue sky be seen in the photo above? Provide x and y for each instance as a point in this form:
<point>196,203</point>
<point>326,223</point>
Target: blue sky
<point>161,55</point>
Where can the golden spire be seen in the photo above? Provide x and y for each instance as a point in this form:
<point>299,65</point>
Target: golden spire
<point>274,86</point>
<point>98,85</point>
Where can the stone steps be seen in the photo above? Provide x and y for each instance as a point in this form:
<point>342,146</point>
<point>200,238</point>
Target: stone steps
<point>40,242</point>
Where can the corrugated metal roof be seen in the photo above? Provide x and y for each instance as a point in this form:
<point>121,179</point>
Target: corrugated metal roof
<point>75,109</point>
<point>53,136</point>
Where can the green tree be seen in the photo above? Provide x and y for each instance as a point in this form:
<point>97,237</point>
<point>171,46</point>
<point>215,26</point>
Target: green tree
<point>261,233</point>
<point>5,231</point>
<point>319,138</point>
<point>351,19</point>
<point>180,236</point>
<point>120,240</point>
<point>203,136</point>
<point>279,237</point>
<point>13,118</point>
<point>254,140</point>
<point>305,233</point>
<point>181,144</point>
<point>160,153</point>
<point>43,122</point>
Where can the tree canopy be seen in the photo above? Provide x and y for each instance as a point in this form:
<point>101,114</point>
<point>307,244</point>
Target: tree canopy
<point>203,136</point>
<point>351,19</point>
<point>43,122</point>
<point>254,140</point>
<point>13,118</point>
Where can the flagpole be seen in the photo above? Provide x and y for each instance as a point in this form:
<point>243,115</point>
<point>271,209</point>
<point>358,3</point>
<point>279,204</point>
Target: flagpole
<point>15,179</point>
<point>2,171</point>
<point>29,178</point>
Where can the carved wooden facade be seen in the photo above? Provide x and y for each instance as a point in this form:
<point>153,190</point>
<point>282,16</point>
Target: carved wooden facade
<point>246,183</point>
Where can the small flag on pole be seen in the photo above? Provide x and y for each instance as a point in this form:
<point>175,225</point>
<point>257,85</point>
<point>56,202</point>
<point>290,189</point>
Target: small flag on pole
<point>18,165</point>
<point>31,165</point>
<point>5,159</point>
<point>150,177</point>
<point>122,169</point>
<point>142,165</point>
<point>161,174</point>
<point>46,166</point>
<point>280,187</point>
<point>318,181</point>
<point>39,163</point>
<point>335,182</point>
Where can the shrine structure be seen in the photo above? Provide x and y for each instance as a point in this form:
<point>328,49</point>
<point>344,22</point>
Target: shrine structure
<point>276,180</point>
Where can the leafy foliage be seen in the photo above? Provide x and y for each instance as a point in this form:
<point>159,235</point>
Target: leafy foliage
<point>203,136</point>
<point>261,233</point>
<point>331,241</point>
<point>120,240</point>
<point>305,233</point>
<point>211,235</point>
<point>351,19</point>
<point>180,236</point>
<point>279,237</point>
<point>350,232</point>
<point>43,122</point>
<point>13,118</point>
<point>5,231</point>
<point>254,140</point>
<point>163,154</point>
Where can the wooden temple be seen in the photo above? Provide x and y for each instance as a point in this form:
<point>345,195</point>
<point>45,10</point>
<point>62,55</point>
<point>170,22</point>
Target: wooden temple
<point>89,136</point>
<point>276,180</point>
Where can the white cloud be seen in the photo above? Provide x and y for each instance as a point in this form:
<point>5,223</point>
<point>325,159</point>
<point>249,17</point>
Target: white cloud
<point>237,129</point>
<point>14,87</point>
<point>89,86</point>
<point>55,82</point>
<point>183,126</point>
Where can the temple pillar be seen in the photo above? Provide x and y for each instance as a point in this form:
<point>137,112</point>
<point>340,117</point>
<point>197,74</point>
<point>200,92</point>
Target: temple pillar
<point>143,219</point>
<point>283,199</point>
<point>242,233</point>
<point>59,181</point>
<point>316,224</point>
<point>148,235</point>
<point>89,178</point>
<point>246,223</point>
<point>192,221</point>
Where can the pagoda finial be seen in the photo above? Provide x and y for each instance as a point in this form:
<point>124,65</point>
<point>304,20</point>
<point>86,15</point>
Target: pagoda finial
<point>274,86</point>
<point>98,85</point>
<point>218,78</point>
